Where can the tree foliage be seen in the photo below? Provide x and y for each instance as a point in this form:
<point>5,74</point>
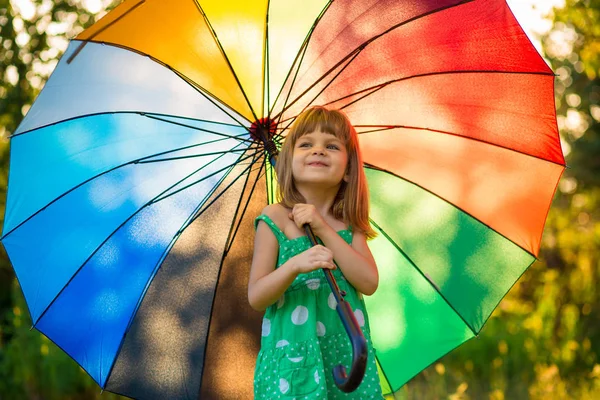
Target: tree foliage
<point>573,46</point>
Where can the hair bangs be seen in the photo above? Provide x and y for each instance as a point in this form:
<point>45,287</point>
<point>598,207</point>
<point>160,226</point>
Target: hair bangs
<point>324,120</point>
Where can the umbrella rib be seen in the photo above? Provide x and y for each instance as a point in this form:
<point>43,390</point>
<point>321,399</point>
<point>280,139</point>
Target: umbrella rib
<point>200,180</point>
<point>220,269</point>
<point>388,127</point>
<point>157,267</point>
<point>269,181</point>
<point>105,172</point>
<point>156,115</point>
<point>262,174</point>
<point>84,42</point>
<point>206,93</point>
<point>224,190</point>
<point>197,155</point>
<point>231,238</point>
<point>373,167</point>
<point>322,90</point>
<point>152,201</point>
<point>394,389</point>
<point>433,284</point>
<point>232,150</point>
<point>347,59</point>
<point>367,42</point>
<point>201,90</point>
<point>220,46</point>
<point>370,90</point>
<point>136,161</point>
<point>266,62</point>
<point>301,50</point>
<point>142,113</point>
<point>354,52</point>
<point>237,137</point>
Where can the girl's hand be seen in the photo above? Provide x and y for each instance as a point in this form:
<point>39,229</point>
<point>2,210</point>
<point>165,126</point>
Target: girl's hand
<point>307,214</point>
<point>314,258</point>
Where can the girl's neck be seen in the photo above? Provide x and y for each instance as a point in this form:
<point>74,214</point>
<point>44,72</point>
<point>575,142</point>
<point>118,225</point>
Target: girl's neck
<point>321,198</point>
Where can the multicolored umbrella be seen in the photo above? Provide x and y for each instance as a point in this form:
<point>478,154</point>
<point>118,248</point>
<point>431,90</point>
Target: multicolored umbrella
<point>135,177</point>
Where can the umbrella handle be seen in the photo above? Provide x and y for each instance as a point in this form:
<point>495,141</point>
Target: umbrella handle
<point>346,383</point>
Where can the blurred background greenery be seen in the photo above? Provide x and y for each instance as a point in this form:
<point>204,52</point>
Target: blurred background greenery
<point>542,342</point>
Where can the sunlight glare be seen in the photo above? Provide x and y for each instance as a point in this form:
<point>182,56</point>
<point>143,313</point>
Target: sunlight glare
<point>25,8</point>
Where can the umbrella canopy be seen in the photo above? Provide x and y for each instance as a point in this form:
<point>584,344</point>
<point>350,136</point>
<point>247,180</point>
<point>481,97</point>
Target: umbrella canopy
<point>136,174</point>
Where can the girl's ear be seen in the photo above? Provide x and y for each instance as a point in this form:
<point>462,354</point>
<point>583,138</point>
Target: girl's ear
<point>347,174</point>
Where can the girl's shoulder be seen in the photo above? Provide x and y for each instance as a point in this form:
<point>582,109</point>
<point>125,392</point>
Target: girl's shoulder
<point>276,213</point>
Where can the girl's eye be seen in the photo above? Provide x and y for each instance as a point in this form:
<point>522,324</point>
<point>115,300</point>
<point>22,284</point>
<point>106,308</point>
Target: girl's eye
<point>308,144</point>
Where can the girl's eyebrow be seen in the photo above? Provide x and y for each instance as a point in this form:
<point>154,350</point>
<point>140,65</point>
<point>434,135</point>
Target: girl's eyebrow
<point>329,139</point>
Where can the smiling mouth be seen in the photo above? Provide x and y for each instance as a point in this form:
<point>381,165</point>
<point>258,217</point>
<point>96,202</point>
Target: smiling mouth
<point>317,165</point>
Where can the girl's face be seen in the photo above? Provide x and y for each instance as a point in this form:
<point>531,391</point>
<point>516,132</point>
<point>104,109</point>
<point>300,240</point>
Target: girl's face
<point>319,158</point>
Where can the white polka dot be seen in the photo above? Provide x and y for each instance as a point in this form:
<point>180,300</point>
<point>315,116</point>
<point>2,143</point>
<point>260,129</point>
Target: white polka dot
<point>300,315</point>
<point>282,343</point>
<point>266,327</point>
<point>317,379</point>
<point>280,302</point>
<point>284,386</point>
<point>320,330</point>
<point>360,317</point>
<point>313,284</point>
<point>295,359</point>
<point>332,302</point>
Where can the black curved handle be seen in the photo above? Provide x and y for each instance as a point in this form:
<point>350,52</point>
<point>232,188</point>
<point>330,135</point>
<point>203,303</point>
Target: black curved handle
<point>346,382</point>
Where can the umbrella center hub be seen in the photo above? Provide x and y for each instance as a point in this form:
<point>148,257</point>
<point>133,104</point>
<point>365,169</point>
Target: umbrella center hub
<point>262,131</point>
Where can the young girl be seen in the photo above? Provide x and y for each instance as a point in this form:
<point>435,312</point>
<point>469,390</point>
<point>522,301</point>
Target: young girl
<point>322,183</point>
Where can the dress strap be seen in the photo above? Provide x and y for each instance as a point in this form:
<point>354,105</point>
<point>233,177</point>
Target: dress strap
<point>278,233</point>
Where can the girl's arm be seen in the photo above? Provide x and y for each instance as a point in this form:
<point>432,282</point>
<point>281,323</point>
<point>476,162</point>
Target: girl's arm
<point>267,284</point>
<point>356,261</point>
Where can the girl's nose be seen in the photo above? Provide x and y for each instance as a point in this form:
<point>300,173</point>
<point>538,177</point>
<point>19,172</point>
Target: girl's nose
<point>318,150</point>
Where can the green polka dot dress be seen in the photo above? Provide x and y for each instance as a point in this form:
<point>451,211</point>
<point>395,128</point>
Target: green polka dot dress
<point>303,337</point>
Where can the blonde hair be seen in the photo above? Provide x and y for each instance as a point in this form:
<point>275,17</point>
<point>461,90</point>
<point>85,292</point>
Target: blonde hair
<point>351,203</point>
